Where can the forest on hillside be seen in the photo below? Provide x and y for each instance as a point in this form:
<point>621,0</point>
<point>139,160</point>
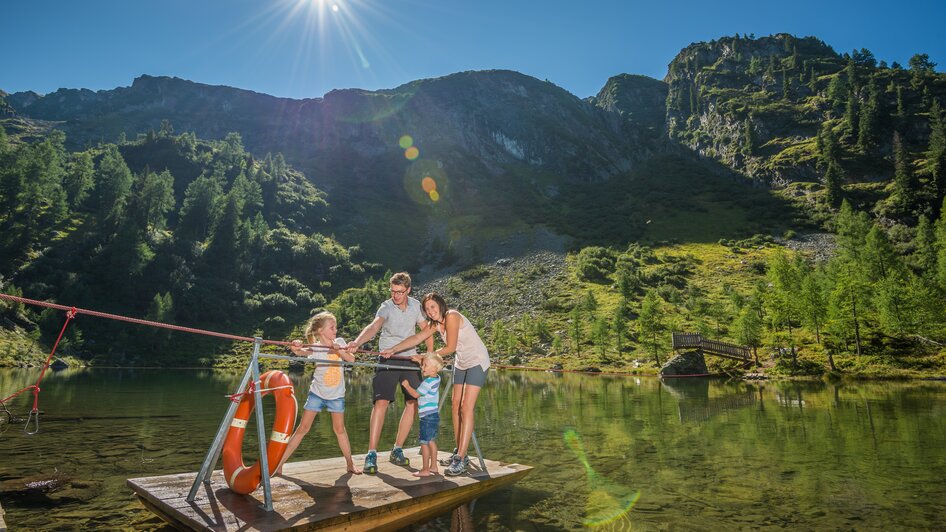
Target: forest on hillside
<point>167,228</point>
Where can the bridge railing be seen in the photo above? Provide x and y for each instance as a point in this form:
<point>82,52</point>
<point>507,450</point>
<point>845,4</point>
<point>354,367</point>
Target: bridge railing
<point>714,347</point>
<point>686,340</point>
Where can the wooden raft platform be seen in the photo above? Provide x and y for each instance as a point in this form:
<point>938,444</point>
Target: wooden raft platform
<point>321,494</point>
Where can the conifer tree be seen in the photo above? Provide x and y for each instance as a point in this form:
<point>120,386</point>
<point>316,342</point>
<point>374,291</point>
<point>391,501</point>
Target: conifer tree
<point>900,118</point>
<point>748,138</point>
<point>851,228</point>
<point>575,328</point>
<point>618,324</point>
<point>869,125</point>
<point>154,198</point>
<point>920,68</point>
<point>936,155</point>
<point>814,305</point>
<point>113,185</point>
<point>79,178</point>
<point>649,321</point>
<point>600,333</point>
<point>853,75</point>
<point>852,116</point>
<point>755,66</point>
<point>225,249</point>
<point>837,94</point>
<point>904,180</point>
<point>748,330</point>
<point>846,304</point>
<point>924,245</point>
<point>770,69</point>
<point>833,179</point>
<point>782,302</point>
<point>830,160</point>
<point>199,210</point>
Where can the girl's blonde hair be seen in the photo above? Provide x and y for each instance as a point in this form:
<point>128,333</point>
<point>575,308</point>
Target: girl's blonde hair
<point>315,323</point>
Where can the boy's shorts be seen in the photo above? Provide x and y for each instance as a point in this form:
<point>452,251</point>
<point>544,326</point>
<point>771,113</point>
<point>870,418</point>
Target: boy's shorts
<point>429,425</point>
<point>316,404</point>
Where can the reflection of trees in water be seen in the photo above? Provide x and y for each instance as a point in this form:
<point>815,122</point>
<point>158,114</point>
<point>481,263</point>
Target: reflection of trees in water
<point>696,404</point>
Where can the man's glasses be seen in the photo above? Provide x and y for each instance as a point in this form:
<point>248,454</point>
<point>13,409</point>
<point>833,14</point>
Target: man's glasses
<point>398,292</point>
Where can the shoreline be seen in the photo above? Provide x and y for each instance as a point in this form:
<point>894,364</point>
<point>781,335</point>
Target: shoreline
<point>749,376</point>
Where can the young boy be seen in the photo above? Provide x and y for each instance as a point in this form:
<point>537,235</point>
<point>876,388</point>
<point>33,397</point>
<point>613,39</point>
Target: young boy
<point>428,407</point>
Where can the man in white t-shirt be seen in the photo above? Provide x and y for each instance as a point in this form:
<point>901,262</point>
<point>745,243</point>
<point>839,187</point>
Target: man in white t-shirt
<point>397,318</point>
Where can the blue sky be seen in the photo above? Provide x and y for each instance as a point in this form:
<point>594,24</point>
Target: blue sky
<point>304,48</point>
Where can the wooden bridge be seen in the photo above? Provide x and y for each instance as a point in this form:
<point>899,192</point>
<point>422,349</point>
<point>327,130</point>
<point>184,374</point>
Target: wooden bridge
<point>710,347</point>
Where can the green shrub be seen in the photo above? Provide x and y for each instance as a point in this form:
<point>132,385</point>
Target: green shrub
<point>595,263</point>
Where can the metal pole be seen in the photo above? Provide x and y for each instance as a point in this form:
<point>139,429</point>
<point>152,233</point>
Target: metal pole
<point>213,454</point>
<point>479,454</point>
<point>261,428</point>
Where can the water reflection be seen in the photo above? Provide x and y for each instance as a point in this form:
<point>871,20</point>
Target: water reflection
<point>696,404</point>
<point>707,454</point>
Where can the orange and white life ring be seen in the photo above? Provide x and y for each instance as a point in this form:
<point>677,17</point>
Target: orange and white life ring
<point>240,478</point>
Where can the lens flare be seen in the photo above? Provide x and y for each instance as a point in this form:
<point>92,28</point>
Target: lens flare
<point>411,153</point>
<point>607,502</point>
<point>406,142</point>
<point>428,184</point>
<point>426,181</point>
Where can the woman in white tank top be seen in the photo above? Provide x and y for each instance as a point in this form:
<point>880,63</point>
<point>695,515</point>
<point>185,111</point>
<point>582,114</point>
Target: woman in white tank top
<point>470,364</point>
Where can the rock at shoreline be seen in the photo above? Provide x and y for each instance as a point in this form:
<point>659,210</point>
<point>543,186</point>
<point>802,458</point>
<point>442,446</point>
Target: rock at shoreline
<point>689,363</point>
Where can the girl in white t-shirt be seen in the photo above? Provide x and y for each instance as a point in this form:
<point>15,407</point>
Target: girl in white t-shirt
<point>328,385</point>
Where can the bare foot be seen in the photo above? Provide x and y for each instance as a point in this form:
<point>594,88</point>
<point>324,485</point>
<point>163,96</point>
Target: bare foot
<point>422,473</point>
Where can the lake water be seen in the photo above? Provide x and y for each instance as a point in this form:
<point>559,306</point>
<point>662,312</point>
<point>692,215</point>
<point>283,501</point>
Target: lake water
<point>631,453</point>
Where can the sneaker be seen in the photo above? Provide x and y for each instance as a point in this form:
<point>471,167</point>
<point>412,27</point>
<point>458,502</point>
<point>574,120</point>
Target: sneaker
<point>371,463</point>
<point>398,458</point>
<point>457,467</point>
<point>448,461</point>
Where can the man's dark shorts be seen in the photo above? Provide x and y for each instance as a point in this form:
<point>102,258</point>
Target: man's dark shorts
<point>385,383</point>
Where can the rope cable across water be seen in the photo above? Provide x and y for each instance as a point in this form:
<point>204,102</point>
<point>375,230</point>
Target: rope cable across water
<point>72,311</point>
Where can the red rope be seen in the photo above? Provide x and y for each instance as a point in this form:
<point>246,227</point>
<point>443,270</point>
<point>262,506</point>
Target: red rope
<point>71,313</point>
<point>237,397</point>
<point>139,321</point>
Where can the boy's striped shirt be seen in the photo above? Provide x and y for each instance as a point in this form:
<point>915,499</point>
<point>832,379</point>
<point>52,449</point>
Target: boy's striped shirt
<point>429,400</point>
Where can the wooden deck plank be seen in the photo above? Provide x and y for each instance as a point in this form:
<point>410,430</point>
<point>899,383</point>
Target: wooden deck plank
<point>321,494</point>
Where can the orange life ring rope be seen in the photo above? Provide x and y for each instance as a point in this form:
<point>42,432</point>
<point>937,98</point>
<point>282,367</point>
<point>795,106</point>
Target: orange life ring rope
<point>240,478</point>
